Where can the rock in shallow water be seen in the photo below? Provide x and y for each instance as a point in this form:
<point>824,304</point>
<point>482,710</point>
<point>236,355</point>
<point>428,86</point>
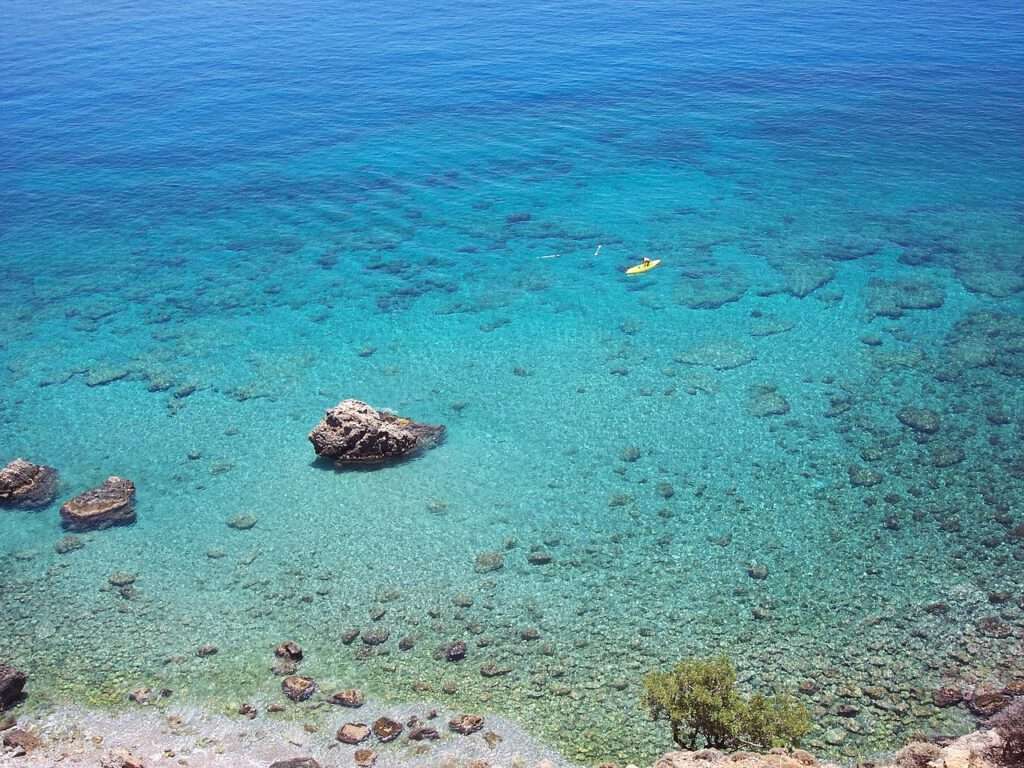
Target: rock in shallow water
<point>27,485</point>
<point>113,503</point>
<point>353,432</point>
<point>12,684</point>
<point>298,688</point>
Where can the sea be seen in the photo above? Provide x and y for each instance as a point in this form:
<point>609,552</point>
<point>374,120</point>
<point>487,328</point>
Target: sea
<point>796,442</point>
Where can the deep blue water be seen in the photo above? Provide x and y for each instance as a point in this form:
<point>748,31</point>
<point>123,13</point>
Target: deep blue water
<point>218,219</point>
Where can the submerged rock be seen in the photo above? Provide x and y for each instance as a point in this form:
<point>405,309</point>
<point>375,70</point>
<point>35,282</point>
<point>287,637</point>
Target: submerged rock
<point>296,762</point>
<point>289,650</point>
<point>12,684</point>
<point>863,476</point>
<point>487,562</point>
<point>113,503</point>
<point>919,419</point>
<point>890,298</point>
<point>767,401</point>
<point>27,485</point>
<point>68,544</point>
<point>720,355</point>
<point>353,432</point>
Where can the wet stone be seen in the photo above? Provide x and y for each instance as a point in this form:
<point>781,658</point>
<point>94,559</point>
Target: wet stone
<point>208,649</point>
<point>27,485</point>
<point>364,758</point>
<point>375,636</point>
<point>296,762</point>
<point>349,636</point>
<point>242,522</point>
<point>121,579</point>
<point>455,651</point>
<point>488,562</point>
<point>538,557</point>
<point>492,669</point>
<point>386,729</point>
<point>289,650</point>
<point>112,503</point>
<point>353,733</point>
<point>864,477</point>
<point>947,456</point>
<point>298,688</point>
<point>68,544</point>
<point>142,695</point>
<point>987,704</point>
<point>424,733</point>
<point>12,685</point>
<point>758,571</point>
<point>993,626</point>
<point>284,667</point>
<point>920,419</point>
<point>350,697</point>
<point>466,724</point>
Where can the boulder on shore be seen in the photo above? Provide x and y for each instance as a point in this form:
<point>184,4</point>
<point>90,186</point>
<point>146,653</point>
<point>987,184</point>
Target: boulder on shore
<point>112,503</point>
<point>27,485</point>
<point>353,432</point>
<point>12,683</point>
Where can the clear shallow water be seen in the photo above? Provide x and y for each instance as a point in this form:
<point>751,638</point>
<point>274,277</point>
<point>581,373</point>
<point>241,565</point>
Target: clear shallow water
<point>241,200</point>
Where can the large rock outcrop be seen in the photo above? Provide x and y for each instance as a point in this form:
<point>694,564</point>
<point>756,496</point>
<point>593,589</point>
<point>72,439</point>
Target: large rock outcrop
<point>12,683</point>
<point>353,432</point>
<point>113,503</point>
<point>24,484</point>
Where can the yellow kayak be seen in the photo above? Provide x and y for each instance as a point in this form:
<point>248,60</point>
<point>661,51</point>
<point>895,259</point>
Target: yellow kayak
<point>647,266</point>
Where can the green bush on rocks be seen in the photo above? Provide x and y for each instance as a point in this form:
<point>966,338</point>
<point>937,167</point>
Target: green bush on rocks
<point>699,699</point>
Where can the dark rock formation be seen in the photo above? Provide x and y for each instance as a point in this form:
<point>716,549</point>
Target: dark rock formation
<point>424,733</point>
<point>289,650</point>
<point>466,724</point>
<point>920,419</point>
<point>298,688</point>
<point>353,432</point>
<point>353,733</point>
<point>296,762</point>
<point>947,697</point>
<point>12,683</point>
<point>350,697</point>
<point>386,729</point>
<point>27,485</point>
<point>113,503</point>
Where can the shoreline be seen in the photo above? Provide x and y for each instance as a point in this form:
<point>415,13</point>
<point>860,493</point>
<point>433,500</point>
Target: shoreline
<point>73,735</point>
<point>178,735</point>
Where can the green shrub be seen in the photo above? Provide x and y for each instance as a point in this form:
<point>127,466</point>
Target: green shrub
<point>699,699</point>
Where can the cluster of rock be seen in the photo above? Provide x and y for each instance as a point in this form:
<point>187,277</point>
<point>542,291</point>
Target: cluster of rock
<point>354,433</point>
<point>27,485</point>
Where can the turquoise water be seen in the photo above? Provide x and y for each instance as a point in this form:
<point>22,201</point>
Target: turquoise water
<point>218,220</point>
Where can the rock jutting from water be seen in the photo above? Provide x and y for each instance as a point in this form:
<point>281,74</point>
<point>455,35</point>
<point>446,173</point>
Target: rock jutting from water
<point>27,485</point>
<point>112,503</point>
<point>12,683</point>
<point>353,432</point>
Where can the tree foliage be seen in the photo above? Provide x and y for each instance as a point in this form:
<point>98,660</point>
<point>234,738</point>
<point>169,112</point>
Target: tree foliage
<point>700,700</point>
